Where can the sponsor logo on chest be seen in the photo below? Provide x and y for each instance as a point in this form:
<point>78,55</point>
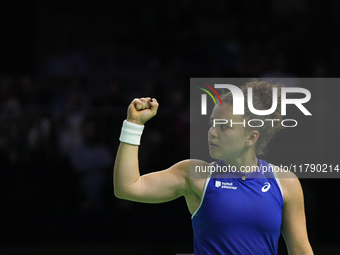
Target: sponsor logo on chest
<point>230,185</point>
<point>225,185</point>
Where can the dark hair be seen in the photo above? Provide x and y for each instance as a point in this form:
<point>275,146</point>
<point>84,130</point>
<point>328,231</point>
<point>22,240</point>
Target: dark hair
<point>262,100</point>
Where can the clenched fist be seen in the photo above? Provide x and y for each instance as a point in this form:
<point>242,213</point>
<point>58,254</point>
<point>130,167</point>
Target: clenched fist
<point>141,110</point>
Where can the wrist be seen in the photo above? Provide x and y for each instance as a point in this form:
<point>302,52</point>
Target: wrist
<point>131,132</point>
<point>137,122</point>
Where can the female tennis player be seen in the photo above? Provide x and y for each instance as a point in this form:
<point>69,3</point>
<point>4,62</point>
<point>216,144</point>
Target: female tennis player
<point>241,212</point>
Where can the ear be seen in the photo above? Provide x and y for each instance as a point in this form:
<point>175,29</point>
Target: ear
<point>252,138</point>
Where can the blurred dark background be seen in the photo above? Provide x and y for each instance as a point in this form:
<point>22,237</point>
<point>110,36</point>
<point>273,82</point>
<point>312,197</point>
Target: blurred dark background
<point>69,69</point>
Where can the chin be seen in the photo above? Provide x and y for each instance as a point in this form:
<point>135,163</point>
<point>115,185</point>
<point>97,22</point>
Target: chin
<point>215,156</point>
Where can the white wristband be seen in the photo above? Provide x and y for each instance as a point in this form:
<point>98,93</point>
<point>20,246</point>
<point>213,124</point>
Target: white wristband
<point>131,133</point>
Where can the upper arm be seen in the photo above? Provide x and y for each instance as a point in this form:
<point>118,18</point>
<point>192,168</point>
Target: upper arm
<point>294,228</point>
<point>162,186</point>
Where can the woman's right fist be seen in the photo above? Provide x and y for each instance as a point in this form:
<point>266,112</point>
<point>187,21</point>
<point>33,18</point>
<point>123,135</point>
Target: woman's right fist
<point>141,110</point>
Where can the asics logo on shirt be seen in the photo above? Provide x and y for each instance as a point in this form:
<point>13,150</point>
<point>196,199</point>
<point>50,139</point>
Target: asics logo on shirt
<point>266,187</point>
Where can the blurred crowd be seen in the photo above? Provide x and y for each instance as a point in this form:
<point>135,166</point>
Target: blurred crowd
<point>60,120</point>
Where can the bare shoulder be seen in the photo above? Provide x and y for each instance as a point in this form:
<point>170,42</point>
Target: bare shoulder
<point>189,166</point>
<point>287,178</point>
<point>199,172</point>
<point>290,184</point>
<point>195,172</point>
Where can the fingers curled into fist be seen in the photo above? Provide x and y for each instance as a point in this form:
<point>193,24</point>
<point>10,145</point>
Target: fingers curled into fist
<point>142,109</point>
<point>144,103</point>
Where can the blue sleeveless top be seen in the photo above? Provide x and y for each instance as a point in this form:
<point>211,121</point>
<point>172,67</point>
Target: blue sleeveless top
<point>239,217</point>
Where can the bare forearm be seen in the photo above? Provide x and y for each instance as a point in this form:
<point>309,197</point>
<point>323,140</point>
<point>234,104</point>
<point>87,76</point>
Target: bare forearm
<point>126,170</point>
<point>305,251</point>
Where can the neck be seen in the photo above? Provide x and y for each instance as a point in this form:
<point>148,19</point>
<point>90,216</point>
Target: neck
<point>249,161</point>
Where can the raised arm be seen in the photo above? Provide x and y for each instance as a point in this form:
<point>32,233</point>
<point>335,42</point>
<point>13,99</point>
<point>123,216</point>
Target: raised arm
<point>155,187</point>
